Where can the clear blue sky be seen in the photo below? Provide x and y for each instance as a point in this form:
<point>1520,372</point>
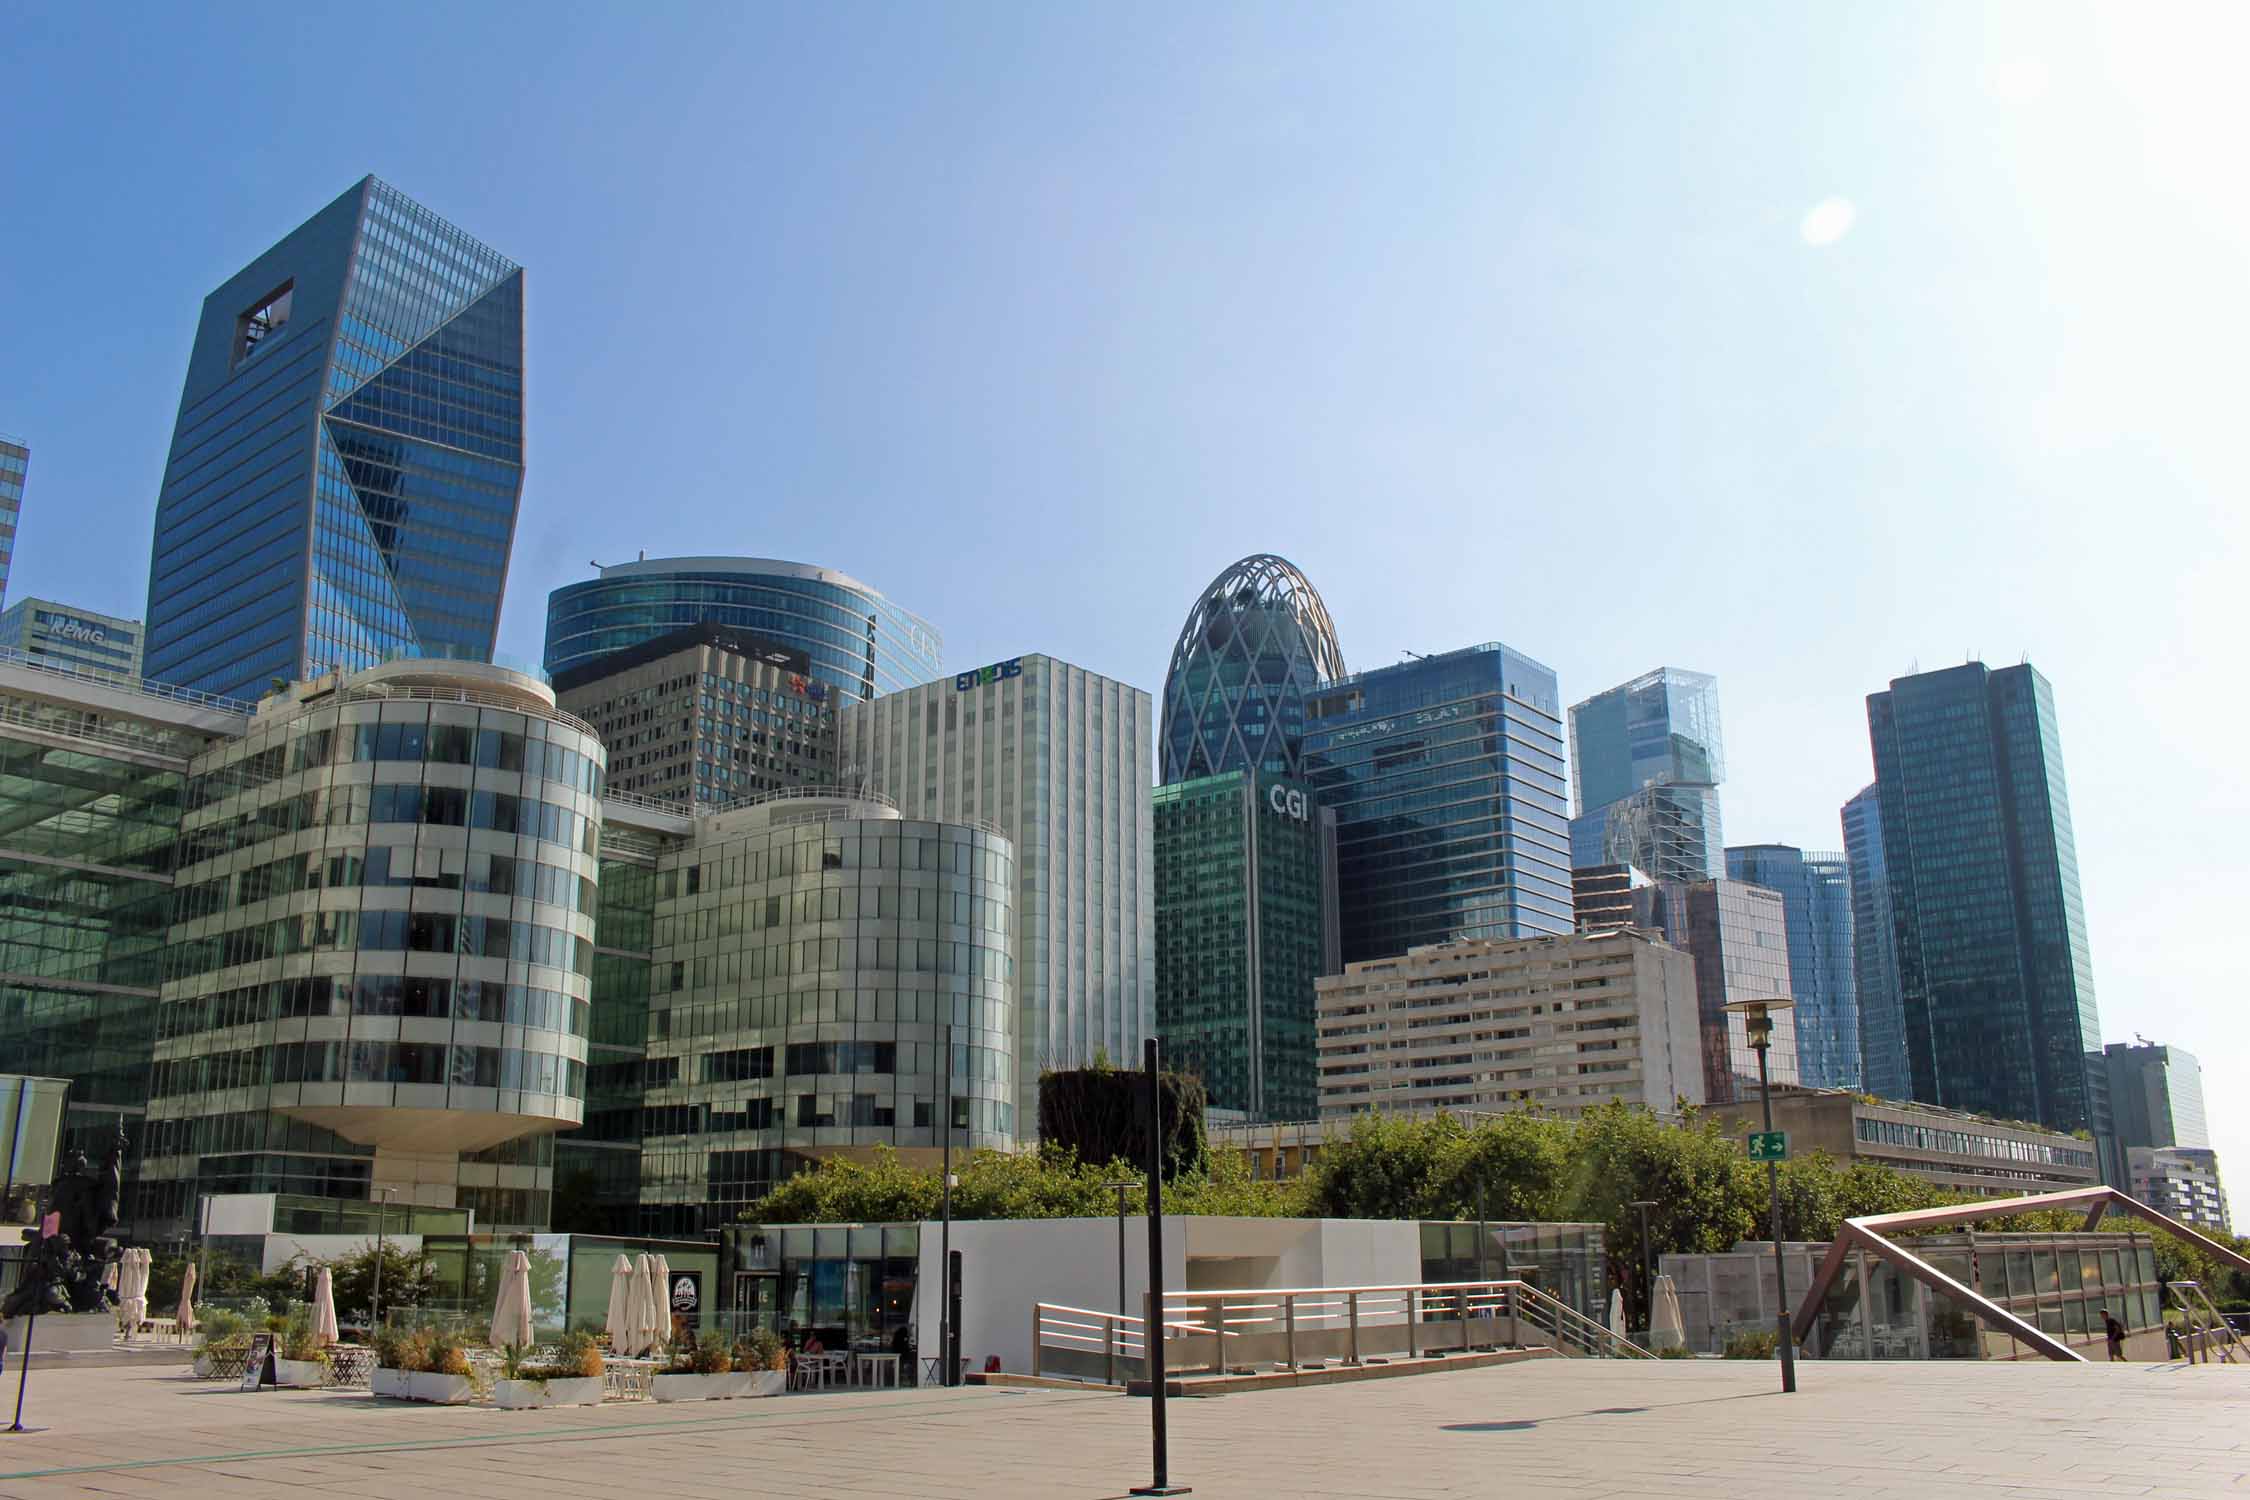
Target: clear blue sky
<point>1503,322</point>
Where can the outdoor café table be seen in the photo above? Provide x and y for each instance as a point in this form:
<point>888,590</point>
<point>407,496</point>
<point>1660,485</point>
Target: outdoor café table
<point>870,1368</point>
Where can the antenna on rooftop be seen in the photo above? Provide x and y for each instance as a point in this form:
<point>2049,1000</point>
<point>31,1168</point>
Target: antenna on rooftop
<point>1418,656</point>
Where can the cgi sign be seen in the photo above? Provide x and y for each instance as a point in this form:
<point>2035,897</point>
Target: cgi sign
<point>1013,667</point>
<point>1288,802</point>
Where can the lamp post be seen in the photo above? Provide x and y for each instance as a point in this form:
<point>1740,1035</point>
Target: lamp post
<point>1109,1355</point>
<point>1757,1016</point>
<point>1648,1265</point>
<point>948,1373</point>
<point>383,1196</point>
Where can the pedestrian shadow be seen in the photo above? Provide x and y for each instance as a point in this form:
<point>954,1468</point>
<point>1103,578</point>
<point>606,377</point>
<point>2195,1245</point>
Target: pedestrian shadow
<point>1599,1411</point>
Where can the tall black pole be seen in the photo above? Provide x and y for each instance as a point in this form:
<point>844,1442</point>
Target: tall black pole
<point>1152,1332</point>
<point>949,1372</point>
<point>1648,1269</point>
<point>1787,1340</point>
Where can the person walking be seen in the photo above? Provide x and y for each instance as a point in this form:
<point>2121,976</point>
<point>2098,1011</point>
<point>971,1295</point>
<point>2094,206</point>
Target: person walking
<point>2116,1332</point>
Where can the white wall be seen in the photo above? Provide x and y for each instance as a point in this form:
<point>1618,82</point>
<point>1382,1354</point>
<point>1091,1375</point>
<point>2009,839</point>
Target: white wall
<point>1007,1266</point>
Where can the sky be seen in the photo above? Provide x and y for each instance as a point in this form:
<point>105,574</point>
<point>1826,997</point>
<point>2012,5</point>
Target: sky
<point>1805,345</point>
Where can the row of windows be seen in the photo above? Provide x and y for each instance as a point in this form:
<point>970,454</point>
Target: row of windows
<point>435,744</point>
<point>370,1062</point>
<point>1967,1143</point>
<point>376,995</point>
<point>830,955</point>
<point>821,1111</point>
<point>382,932</point>
<point>384,865</point>
<point>401,802</point>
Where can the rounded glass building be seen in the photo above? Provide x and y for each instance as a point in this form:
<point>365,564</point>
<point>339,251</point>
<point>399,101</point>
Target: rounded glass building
<point>1256,645</point>
<point>861,644</point>
<point>379,966</point>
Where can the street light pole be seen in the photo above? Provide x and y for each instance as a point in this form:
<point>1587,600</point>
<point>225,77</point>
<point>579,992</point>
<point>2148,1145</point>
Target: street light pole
<point>383,1198</point>
<point>947,1374</point>
<point>1648,1265</point>
<point>1109,1355</point>
<point>1757,1018</point>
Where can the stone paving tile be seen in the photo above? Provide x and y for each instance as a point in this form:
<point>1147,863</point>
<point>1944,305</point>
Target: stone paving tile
<point>1575,1429</point>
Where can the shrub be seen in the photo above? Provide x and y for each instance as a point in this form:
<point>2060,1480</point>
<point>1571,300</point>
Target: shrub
<point>760,1349</point>
<point>1750,1343</point>
<point>691,1356</point>
<point>297,1339</point>
<point>390,1347</point>
<point>580,1354</point>
<point>1675,1351</point>
<point>443,1355</point>
<point>223,1326</point>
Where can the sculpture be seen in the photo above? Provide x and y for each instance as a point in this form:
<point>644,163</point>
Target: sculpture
<point>65,1269</point>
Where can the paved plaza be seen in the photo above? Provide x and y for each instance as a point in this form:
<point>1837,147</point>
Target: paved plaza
<point>1563,1427</point>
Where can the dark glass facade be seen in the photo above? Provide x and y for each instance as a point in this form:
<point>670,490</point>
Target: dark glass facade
<point>598,1165</point>
<point>1995,976</point>
<point>1447,779</point>
<point>859,643</point>
<point>1256,646</point>
<point>15,459</point>
<point>1882,1016</point>
<point>1816,906</point>
<point>1739,939</point>
<point>1648,759</point>
<point>345,470</point>
<point>1246,921</point>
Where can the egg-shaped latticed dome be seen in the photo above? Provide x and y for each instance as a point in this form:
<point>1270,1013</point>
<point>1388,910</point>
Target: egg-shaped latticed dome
<point>1257,643</point>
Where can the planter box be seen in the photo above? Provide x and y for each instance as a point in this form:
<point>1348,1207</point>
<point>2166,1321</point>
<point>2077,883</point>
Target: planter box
<point>523,1395</point>
<point>304,1373</point>
<point>446,1390</point>
<point>396,1384</point>
<point>700,1387</point>
<point>767,1382</point>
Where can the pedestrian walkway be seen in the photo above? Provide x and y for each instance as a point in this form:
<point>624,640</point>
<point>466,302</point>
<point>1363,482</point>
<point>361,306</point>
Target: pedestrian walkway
<point>1578,1428</point>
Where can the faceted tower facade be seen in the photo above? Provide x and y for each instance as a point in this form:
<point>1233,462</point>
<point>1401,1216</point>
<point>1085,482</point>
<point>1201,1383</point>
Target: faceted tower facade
<point>1648,760</point>
<point>1256,645</point>
<point>348,457</point>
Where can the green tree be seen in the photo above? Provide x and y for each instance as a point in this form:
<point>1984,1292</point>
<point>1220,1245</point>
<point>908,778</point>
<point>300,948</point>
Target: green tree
<point>1387,1168</point>
<point>1511,1168</point>
<point>409,1280</point>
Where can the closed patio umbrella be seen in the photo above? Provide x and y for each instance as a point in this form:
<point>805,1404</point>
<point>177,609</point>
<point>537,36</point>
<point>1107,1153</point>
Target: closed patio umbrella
<point>324,1309</point>
<point>648,1324</point>
<point>1665,1330</point>
<point>187,1300</point>
<point>511,1315</point>
<point>663,1281</point>
<point>1617,1311</point>
<point>618,1324</point>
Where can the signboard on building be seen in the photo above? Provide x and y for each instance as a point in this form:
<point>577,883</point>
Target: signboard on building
<point>71,628</point>
<point>1013,667</point>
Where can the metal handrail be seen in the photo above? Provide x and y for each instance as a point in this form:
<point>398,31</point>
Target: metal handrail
<point>2200,1302</point>
<point>125,682</point>
<point>377,692</point>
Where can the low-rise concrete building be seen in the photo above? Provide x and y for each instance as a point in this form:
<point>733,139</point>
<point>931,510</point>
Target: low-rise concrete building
<point>1560,1023</point>
<point>1960,1153</point>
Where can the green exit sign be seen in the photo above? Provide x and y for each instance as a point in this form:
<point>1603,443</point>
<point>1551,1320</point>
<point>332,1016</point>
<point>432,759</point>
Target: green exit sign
<point>1769,1145</point>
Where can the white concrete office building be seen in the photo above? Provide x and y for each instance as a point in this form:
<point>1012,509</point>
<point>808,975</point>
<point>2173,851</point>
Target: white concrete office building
<point>1560,1023</point>
<point>1057,758</point>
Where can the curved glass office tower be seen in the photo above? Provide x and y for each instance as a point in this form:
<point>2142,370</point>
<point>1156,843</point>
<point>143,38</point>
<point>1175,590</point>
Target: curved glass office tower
<point>1258,641</point>
<point>861,644</point>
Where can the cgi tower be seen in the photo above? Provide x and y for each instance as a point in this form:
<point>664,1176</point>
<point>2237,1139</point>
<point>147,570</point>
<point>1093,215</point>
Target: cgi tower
<point>348,457</point>
<point>1995,977</point>
<point>1255,647</point>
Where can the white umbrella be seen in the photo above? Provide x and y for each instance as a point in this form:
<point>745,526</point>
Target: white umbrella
<point>1665,1330</point>
<point>187,1300</point>
<point>324,1309</point>
<point>618,1323</point>
<point>647,1326</point>
<point>511,1315</point>
<point>663,1282</point>
<point>1617,1311</point>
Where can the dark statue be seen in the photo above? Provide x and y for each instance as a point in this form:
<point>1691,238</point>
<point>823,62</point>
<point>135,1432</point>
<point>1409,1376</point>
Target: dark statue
<point>64,1271</point>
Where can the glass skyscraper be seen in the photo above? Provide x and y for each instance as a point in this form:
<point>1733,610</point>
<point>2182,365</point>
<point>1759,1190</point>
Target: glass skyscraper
<point>1648,761</point>
<point>860,644</point>
<point>348,458</point>
<point>1256,646</point>
<point>1882,1018</point>
<point>1738,935</point>
<point>15,458</point>
<point>1452,805</point>
<point>1995,975</point>
<point>2156,1095</point>
<point>1816,902</point>
<point>1246,908</point>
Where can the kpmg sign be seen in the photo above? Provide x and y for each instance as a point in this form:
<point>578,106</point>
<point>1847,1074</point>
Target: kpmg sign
<point>1013,667</point>
<point>70,628</point>
<point>1288,802</point>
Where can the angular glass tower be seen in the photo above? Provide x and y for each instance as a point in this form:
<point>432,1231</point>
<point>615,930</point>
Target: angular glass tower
<point>1257,644</point>
<point>15,458</point>
<point>1451,799</point>
<point>1816,905</point>
<point>1995,976</point>
<point>1882,1020</point>
<point>348,457</point>
<point>1648,762</point>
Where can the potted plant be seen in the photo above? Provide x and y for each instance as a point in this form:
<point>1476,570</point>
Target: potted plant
<point>222,1343</point>
<point>764,1361</point>
<point>573,1377</point>
<point>699,1371</point>
<point>441,1369</point>
<point>299,1360</point>
<point>394,1363</point>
